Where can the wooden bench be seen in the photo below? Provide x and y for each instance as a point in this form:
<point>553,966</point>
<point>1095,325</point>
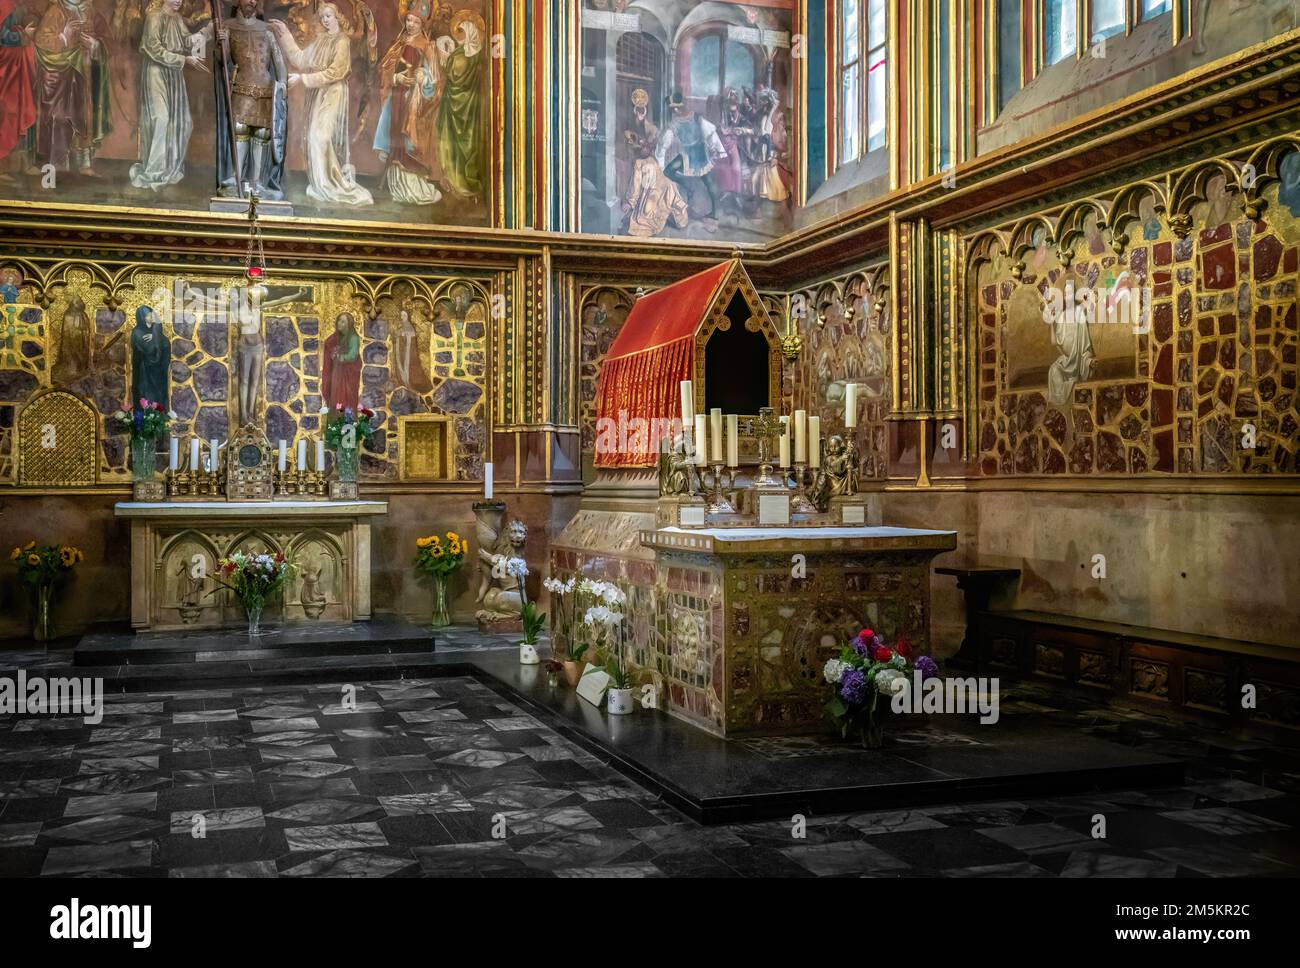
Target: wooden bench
<point>1194,674</point>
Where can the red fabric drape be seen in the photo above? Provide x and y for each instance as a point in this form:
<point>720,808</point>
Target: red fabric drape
<point>640,376</point>
<point>17,97</point>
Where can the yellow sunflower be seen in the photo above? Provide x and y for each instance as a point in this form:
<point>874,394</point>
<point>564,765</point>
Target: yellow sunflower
<point>422,542</point>
<point>437,552</point>
<point>33,560</point>
<point>80,556</point>
<point>30,545</point>
<point>453,537</point>
<point>68,556</point>
<point>455,547</point>
<point>15,554</point>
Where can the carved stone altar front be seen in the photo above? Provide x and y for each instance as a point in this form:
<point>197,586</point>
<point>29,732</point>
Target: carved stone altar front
<point>175,548</point>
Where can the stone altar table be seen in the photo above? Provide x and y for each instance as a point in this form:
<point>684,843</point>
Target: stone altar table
<point>175,547</point>
<point>745,618</point>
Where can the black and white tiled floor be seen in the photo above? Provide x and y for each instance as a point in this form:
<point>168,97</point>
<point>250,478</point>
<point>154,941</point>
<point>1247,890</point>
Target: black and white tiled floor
<point>414,778</point>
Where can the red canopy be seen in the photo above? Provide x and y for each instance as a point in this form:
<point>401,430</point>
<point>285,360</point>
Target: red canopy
<point>641,374</point>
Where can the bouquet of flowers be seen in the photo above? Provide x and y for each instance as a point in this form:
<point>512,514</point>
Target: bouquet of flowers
<point>438,559</point>
<point>254,579</point>
<point>866,675</point>
<point>147,421</point>
<point>340,419</point>
<point>42,568</point>
<point>582,595</point>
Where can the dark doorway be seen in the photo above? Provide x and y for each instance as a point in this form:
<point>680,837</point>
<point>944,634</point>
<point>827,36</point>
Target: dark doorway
<point>735,365</point>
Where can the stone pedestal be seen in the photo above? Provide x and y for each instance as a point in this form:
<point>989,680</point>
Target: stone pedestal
<point>175,548</point>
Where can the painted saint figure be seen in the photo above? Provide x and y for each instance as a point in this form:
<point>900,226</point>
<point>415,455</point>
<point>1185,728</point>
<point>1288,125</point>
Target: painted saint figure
<point>341,365</point>
<point>406,136</point>
<point>17,68</point>
<point>652,197</point>
<point>72,76</point>
<point>325,65</point>
<point>258,98</point>
<point>166,49</point>
<point>408,369</point>
<point>460,114</point>
<point>150,359</point>
<point>74,344</point>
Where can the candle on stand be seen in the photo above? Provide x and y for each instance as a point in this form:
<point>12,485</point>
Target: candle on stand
<point>174,455</point>
<point>194,455</point>
<point>284,455</point>
<point>212,455</point>
<point>814,441</point>
<point>800,437</point>
<point>320,456</point>
<point>302,455</point>
<point>701,439</point>
<point>487,481</point>
<point>851,405</point>
<point>785,441</point>
<point>688,401</point>
<point>733,439</point>
<point>715,435</point>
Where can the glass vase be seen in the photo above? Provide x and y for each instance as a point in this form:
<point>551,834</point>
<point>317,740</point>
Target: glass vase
<point>254,614</point>
<point>441,618</point>
<point>346,460</point>
<point>42,620</point>
<point>143,460</point>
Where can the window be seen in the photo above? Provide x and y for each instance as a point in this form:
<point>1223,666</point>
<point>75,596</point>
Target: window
<point>1008,50</point>
<point>718,63</point>
<point>1154,8</point>
<point>863,64</point>
<point>1107,18</point>
<point>1060,31</point>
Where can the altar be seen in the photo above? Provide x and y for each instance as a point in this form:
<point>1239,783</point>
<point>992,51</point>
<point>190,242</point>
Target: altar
<point>175,548</point>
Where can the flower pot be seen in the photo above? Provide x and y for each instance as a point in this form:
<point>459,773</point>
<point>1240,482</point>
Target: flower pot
<point>620,701</point>
<point>572,673</point>
<point>42,620</point>
<point>441,618</point>
<point>528,654</point>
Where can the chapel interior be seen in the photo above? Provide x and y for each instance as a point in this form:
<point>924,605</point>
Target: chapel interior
<point>629,403</point>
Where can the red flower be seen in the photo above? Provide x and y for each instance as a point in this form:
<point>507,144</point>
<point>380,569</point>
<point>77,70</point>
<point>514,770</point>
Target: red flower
<point>865,634</point>
<point>882,654</point>
<point>903,647</point>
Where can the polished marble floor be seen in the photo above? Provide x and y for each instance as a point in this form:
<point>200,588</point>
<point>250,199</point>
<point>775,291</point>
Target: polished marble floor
<point>445,777</point>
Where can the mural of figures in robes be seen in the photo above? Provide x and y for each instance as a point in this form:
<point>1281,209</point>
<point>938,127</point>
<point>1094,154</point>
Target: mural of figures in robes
<point>167,48</point>
<point>324,66</point>
<point>407,133</point>
<point>248,53</point>
<point>340,383</point>
<point>72,77</point>
<point>150,359</point>
<point>407,366</point>
<point>17,95</point>
<point>74,342</point>
<point>155,104</point>
<point>460,117</point>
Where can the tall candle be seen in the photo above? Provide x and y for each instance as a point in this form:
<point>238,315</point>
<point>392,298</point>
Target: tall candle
<point>688,400</point>
<point>800,437</point>
<point>174,455</point>
<point>701,439</point>
<point>851,405</point>
<point>302,455</point>
<point>320,456</point>
<point>733,440</point>
<point>194,455</point>
<point>715,435</point>
<point>487,481</point>
<point>785,441</point>
<point>212,455</point>
<point>814,441</point>
<point>284,455</point>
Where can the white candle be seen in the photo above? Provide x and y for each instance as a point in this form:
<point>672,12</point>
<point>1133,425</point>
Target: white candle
<point>785,441</point>
<point>688,400</point>
<point>733,440</point>
<point>212,455</point>
<point>284,455</point>
<point>174,455</point>
<point>320,456</point>
<point>302,455</point>
<point>800,437</point>
<point>487,481</point>
<point>701,439</point>
<point>715,435</point>
<point>194,455</point>
<point>851,405</point>
<point>814,441</point>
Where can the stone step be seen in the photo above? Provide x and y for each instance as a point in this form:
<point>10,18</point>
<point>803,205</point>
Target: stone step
<point>385,635</point>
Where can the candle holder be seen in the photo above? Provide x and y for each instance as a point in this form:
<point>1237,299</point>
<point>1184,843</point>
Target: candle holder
<point>718,502</point>
<point>296,484</point>
<point>799,503</point>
